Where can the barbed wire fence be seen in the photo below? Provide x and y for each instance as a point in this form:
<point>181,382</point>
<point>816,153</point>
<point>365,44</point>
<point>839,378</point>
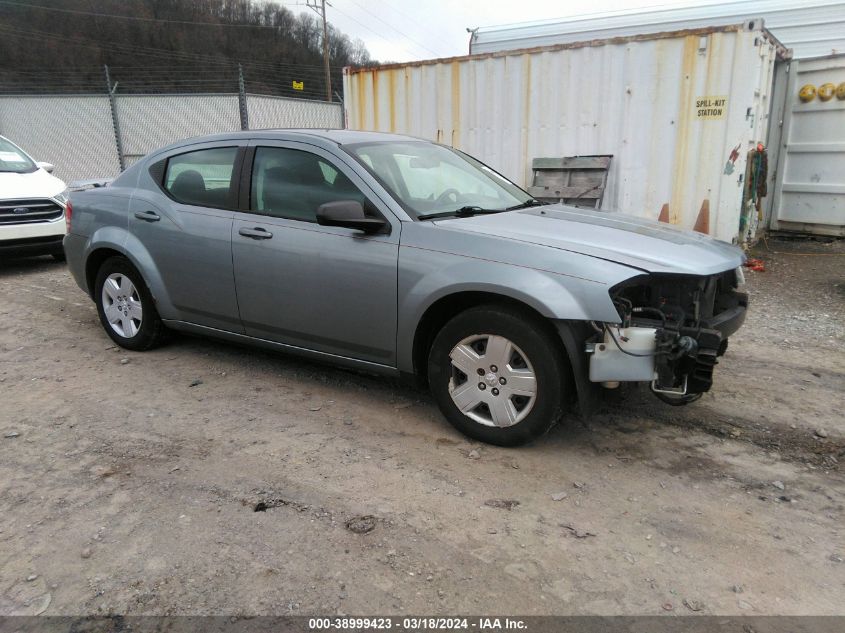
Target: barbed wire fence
<point>193,75</point>
<point>94,122</point>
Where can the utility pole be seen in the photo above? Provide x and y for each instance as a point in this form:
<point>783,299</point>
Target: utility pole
<point>319,7</point>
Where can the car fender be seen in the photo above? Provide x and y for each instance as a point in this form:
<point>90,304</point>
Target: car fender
<point>426,277</point>
<point>120,240</point>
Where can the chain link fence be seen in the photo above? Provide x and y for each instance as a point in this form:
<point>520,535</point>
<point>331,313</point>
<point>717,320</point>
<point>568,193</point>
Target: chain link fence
<point>95,136</point>
<point>265,111</point>
<point>74,133</point>
<point>150,121</point>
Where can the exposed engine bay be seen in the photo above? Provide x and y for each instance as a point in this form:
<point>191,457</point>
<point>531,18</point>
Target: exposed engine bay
<point>671,332</point>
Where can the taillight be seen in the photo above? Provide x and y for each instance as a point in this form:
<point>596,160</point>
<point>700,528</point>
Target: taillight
<point>68,214</point>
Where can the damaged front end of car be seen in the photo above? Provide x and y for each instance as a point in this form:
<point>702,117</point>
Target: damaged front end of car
<point>672,328</point>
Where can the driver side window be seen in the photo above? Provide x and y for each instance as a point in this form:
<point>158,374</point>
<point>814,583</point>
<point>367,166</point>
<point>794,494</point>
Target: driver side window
<point>292,184</point>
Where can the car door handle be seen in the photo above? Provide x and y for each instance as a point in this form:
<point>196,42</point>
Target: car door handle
<point>148,216</point>
<point>256,233</point>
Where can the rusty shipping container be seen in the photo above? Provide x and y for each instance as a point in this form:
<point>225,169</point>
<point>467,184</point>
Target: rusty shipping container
<point>677,111</point>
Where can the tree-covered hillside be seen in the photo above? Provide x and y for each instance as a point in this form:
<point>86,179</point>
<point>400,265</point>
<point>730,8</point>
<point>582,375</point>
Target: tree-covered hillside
<point>168,46</point>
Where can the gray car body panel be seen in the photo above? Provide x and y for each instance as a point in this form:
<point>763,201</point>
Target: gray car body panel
<point>191,250</point>
<point>303,286</point>
<point>650,246</point>
<point>359,299</point>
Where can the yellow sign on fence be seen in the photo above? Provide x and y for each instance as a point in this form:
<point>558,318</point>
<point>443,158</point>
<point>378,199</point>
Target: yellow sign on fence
<point>299,85</point>
<point>711,107</point>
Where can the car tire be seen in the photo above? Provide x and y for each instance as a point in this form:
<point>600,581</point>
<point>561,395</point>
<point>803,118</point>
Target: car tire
<point>126,307</point>
<point>499,375</point>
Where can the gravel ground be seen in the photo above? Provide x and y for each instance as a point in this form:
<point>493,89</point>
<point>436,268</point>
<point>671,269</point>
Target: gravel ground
<point>206,478</point>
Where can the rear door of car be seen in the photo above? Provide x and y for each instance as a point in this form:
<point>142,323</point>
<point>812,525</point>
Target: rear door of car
<point>186,227</point>
<point>322,288</point>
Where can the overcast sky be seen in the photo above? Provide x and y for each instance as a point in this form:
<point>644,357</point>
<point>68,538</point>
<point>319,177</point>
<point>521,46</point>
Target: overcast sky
<point>402,30</point>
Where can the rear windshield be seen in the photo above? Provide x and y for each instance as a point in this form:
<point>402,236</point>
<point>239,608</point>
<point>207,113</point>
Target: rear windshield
<point>13,159</point>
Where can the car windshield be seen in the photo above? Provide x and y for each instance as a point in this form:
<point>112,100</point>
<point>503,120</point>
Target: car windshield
<point>13,159</point>
<point>429,179</point>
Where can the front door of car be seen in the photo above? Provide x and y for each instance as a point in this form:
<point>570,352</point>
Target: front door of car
<point>322,288</point>
<point>186,228</point>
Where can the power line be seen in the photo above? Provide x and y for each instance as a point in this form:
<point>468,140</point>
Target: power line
<point>402,33</point>
<point>378,35</point>
<point>415,21</point>
<point>320,9</point>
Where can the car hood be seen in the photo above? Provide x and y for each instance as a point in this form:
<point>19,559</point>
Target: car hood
<point>36,184</point>
<point>624,239</point>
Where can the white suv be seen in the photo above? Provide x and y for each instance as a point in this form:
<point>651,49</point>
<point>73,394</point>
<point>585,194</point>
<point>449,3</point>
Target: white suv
<point>33,205</point>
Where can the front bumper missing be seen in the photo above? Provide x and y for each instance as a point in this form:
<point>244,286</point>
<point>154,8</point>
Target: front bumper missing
<point>676,361</point>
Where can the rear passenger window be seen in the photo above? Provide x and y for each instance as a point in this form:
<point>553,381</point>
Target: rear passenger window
<point>292,184</point>
<point>203,178</point>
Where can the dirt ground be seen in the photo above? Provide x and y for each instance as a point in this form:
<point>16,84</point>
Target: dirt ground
<point>129,482</point>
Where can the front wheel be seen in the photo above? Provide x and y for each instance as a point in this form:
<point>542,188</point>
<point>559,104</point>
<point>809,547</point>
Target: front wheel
<point>125,306</point>
<point>499,375</point>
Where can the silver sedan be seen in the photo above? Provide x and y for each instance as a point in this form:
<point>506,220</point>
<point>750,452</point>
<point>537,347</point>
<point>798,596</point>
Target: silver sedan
<point>403,257</point>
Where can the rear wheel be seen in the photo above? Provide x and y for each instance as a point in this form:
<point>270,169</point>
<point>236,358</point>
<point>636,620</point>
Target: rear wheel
<point>498,375</point>
<point>125,306</point>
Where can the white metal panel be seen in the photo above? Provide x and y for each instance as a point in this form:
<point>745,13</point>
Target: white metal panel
<point>75,133</point>
<point>635,100</point>
<point>810,186</point>
<point>811,28</point>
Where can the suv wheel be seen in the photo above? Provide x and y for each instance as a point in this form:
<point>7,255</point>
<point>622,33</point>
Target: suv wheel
<point>125,306</point>
<point>498,376</point>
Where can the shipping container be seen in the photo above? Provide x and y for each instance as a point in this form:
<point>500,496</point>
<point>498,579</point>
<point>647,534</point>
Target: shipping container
<point>677,112</point>
<point>811,28</point>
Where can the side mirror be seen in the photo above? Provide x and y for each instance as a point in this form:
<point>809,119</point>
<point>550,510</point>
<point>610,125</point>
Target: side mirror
<point>48,167</point>
<point>349,214</point>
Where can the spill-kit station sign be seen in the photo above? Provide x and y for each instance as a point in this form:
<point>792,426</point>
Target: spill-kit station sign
<point>711,107</point>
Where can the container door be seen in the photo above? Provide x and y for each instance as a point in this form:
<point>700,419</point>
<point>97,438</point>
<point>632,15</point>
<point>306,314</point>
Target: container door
<point>809,192</point>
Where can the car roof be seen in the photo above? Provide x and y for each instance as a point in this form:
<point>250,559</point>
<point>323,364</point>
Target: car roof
<point>341,137</point>
<point>325,137</point>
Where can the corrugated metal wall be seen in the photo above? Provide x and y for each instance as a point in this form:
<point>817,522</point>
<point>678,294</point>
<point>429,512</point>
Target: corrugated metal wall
<point>811,28</point>
<point>636,100</point>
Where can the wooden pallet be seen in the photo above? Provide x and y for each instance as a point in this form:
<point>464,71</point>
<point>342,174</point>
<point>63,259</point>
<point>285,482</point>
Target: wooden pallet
<point>576,180</point>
